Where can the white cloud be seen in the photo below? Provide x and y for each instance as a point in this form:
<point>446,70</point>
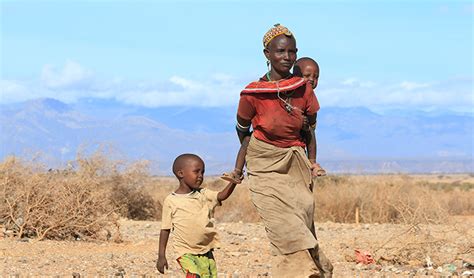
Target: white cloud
<point>357,83</point>
<point>71,75</point>
<point>350,81</point>
<point>445,153</point>
<point>223,77</point>
<point>12,91</point>
<point>453,94</point>
<point>177,91</point>
<point>368,84</point>
<point>186,84</point>
<point>183,91</point>
<point>73,82</point>
<point>413,85</point>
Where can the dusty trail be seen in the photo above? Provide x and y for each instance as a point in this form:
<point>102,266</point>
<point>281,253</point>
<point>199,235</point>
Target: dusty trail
<point>246,252</point>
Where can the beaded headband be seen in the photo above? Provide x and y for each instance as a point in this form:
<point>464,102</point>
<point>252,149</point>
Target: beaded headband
<point>275,31</point>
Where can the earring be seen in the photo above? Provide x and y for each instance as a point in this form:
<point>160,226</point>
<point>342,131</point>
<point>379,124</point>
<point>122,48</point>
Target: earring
<point>268,65</point>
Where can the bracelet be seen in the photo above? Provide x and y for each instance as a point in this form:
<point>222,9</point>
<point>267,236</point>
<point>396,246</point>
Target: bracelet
<point>242,128</point>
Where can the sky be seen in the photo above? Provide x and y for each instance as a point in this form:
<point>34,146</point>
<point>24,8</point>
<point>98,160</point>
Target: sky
<point>382,55</point>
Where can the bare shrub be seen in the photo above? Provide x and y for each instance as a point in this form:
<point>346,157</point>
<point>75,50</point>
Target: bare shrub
<point>86,199</point>
<point>419,242</point>
<point>83,201</point>
<point>54,205</point>
<point>129,194</point>
<point>126,185</point>
<point>133,203</point>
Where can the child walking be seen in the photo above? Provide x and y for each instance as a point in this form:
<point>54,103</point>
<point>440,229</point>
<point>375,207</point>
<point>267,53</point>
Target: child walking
<point>188,212</point>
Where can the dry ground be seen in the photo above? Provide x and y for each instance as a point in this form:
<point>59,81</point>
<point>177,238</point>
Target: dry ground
<point>399,249</point>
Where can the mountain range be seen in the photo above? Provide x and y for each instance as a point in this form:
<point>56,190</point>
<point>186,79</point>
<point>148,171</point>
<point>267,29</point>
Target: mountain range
<point>350,140</point>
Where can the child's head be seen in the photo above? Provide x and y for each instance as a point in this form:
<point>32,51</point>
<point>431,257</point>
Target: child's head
<point>308,69</point>
<point>189,169</point>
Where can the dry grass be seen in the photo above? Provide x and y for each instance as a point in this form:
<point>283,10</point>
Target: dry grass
<point>378,199</point>
<point>383,199</point>
<point>86,200</point>
<point>82,202</point>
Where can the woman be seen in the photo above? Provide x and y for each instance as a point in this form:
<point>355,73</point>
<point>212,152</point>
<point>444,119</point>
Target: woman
<point>279,172</point>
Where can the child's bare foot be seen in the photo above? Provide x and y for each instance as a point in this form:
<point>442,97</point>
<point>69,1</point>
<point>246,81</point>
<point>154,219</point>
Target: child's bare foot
<point>234,177</point>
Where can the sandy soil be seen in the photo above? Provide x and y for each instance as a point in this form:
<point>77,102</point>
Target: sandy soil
<point>400,251</point>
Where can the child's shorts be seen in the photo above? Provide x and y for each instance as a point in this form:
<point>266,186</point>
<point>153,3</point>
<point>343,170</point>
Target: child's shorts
<point>198,266</point>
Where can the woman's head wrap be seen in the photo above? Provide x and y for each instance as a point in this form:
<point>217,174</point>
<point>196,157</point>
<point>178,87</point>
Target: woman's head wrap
<point>275,31</point>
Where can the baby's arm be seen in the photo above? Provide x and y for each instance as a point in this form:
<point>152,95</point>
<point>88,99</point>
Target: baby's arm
<point>162,263</point>
<point>312,146</point>
<point>312,138</point>
<point>225,193</point>
<point>316,169</point>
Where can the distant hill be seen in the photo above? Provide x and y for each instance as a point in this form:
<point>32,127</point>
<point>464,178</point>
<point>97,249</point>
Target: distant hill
<point>349,139</point>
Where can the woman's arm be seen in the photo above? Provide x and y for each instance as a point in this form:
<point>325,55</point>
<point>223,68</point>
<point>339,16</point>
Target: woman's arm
<point>243,128</point>
<point>245,113</point>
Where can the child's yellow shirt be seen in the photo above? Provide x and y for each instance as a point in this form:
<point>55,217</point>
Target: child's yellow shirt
<point>190,217</point>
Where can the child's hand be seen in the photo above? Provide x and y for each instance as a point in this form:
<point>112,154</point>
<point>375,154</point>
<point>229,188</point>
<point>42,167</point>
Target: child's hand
<point>161,264</point>
<point>317,170</point>
<point>235,176</point>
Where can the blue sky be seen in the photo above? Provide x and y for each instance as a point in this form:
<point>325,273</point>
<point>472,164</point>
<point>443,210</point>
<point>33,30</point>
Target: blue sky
<point>382,55</point>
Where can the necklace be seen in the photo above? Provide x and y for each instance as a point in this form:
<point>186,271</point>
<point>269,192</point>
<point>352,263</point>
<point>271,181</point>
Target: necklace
<point>286,103</point>
<point>269,79</point>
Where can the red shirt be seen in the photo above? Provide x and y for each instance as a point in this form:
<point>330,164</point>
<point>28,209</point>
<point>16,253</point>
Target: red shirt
<point>271,122</point>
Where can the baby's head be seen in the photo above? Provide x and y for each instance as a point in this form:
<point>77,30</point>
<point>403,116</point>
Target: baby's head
<point>308,69</point>
<point>189,169</point>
